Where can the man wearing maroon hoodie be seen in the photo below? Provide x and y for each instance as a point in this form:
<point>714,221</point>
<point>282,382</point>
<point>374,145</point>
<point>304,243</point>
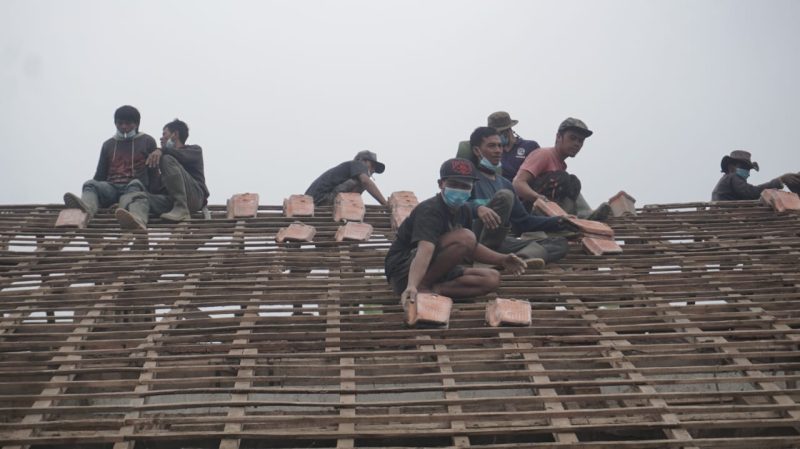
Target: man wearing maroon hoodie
<point>121,168</point>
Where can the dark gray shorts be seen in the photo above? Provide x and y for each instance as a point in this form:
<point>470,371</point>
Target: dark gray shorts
<point>397,271</point>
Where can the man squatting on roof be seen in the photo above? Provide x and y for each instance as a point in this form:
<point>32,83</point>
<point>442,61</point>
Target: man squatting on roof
<point>349,176</point>
<point>436,240</point>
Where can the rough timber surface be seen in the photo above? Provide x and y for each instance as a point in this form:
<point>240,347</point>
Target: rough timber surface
<point>185,337</point>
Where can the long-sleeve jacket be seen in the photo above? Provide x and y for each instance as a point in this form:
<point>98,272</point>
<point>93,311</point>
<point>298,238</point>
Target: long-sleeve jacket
<point>191,158</point>
<point>521,221</point>
<point>732,187</point>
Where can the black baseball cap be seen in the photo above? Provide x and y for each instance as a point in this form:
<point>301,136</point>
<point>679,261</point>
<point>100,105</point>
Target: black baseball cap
<point>458,168</point>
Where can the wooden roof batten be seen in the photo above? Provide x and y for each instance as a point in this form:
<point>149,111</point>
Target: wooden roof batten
<point>209,334</point>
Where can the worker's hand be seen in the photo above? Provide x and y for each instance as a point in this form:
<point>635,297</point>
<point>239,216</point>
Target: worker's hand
<point>790,179</point>
<point>153,158</point>
<point>489,217</point>
<point>514,265</point>
<point>409,295</point>
<point>565,225</point>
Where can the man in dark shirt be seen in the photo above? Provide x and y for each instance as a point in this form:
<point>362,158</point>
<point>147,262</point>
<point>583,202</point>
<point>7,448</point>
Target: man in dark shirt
<point>499,210</point>
<point>435,240</point>
<point>179,189</point>
<point>733,184</point>
<point>349,176</point>
<point>515,148</point>
<point>121,168</point>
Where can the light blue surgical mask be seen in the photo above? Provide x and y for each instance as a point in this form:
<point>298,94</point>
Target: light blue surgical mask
<point>485,163</point>
<point>504,139</point>
<point>743,173</point>
<point>455,197</point>
<point>169,144</point>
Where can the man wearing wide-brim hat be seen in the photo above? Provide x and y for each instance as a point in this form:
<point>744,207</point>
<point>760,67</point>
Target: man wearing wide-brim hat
<point>733,184</point>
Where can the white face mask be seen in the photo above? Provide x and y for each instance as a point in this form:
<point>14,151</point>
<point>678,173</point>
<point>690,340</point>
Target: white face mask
<point>169,144</point>
<point>128,135</point>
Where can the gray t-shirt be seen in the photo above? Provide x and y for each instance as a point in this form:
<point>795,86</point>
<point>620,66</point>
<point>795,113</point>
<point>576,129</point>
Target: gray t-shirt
<point>328,181</point>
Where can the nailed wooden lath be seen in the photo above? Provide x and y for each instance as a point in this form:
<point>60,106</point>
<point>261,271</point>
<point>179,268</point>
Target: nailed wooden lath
<point>185,338</point>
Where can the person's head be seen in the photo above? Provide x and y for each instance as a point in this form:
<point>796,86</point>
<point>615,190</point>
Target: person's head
<point>126,119</point>
<point>487,149</point>
<point>371,160</point>
<point>176,131</point>
<point>570,136</point>
<point>456,177</point>
<point>738,162</point>
<point>503,123</point>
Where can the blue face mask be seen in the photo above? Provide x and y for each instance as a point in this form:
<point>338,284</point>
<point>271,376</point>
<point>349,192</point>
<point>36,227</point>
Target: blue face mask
<point>504,139</point>
<point>743,173</point>
<point>455,197</point>
<point>488,165</point>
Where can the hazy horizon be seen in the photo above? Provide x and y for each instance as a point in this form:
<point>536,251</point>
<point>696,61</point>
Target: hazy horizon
<point>276,92</point>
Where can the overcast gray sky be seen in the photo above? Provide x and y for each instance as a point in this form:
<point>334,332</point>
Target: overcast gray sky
<point>278,91</point>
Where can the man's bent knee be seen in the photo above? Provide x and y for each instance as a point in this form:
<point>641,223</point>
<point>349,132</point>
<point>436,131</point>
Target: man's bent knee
<point>462,236</point>
<point>135,186</point>
<point>95,185</point>
<point>168,164</point>
<point>504,196</point>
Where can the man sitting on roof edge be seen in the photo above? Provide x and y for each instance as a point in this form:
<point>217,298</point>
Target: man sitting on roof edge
<point>121,168</point>
<point>177,190</point>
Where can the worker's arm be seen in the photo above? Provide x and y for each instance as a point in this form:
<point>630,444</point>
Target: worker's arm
<point>419,266</point>
<point>511,263</point>
<point>523,188</point>
<point>372,188</point>
<point>745,191</point>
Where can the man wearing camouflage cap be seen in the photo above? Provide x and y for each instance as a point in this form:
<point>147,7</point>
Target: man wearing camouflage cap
<point>515,148</point>
<point>543,174</point>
